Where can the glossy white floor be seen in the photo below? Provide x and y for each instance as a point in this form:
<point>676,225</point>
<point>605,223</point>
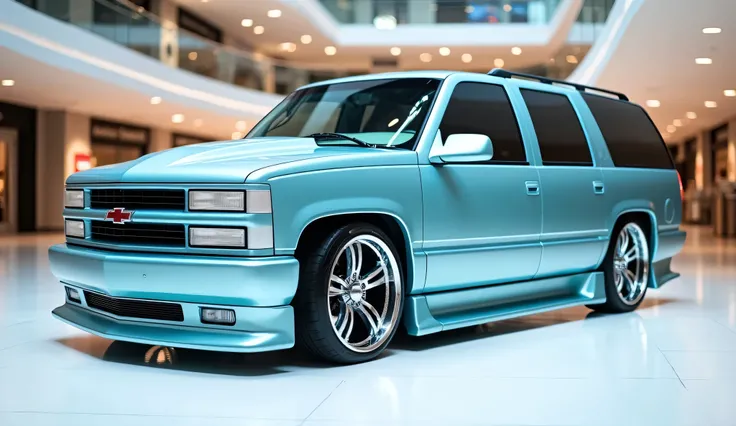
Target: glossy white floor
<point>673,362</point>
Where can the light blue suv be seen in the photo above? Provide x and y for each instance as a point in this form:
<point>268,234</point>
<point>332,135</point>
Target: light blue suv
<point>432,200</point>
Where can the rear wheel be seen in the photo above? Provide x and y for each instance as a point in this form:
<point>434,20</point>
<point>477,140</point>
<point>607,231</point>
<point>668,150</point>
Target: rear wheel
<point>626,269</point>
<point>350,295</point>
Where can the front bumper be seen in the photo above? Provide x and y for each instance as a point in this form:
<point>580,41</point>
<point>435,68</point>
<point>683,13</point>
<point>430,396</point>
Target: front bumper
<point>259,290</point>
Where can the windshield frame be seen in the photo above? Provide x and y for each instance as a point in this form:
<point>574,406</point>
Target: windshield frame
<point>417,137</point>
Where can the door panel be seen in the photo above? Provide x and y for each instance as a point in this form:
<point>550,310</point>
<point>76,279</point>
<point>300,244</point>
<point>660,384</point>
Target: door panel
<point>574,232</point>
<point>481,224</point>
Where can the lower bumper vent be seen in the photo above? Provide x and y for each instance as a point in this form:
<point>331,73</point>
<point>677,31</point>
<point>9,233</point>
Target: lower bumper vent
<point>134,308</point>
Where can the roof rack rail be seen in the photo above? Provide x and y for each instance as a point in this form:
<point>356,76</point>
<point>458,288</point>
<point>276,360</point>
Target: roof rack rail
<point>499,72</point>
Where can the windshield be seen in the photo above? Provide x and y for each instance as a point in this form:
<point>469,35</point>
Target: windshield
<point>389,112</point>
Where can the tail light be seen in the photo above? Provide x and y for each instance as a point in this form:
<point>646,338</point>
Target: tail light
<point>682,190</point>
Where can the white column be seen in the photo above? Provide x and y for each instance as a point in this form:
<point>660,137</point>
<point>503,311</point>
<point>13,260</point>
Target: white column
<point>422,11</point>
<point>169,42</point>
<point>363,11</point>
<point>80,11</point>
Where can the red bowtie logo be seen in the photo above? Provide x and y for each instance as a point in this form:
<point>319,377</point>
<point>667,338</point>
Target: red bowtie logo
<point>118,215</point>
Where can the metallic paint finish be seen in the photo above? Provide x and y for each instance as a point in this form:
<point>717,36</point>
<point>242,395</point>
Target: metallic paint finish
<point>263,281</point>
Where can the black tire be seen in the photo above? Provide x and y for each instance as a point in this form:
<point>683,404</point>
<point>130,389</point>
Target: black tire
<point>614,302</point>
<point>314,327</point>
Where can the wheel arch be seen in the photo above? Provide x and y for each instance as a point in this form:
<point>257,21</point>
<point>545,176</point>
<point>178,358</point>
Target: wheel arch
<point>644,217</point>
<point>390,224</point>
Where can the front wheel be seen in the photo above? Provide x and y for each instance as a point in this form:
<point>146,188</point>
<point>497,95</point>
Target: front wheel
<point>350,295</point>
<point>626,269</point>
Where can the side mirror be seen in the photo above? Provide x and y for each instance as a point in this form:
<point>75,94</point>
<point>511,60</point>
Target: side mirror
<point>462,148</point>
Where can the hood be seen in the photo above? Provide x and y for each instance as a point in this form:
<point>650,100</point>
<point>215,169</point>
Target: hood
<point>215,162</point>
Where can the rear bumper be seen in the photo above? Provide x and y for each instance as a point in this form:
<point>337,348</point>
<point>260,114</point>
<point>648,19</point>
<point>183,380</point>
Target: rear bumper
<point>259,290</point>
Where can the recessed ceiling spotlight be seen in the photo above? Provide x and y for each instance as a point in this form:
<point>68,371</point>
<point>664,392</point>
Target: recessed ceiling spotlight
<point>691,115</point>
<point>516,51</point>
<point>571,59</point>
<point>653,103</point>
<point>711,104</point>
<point>677,122</point>
<point>177,118</point>
<point>425,57</point>
<point>205,1</point>
<point>330,50</point>
<point>156,100</point>
<point>192,56</point>
<point>258,29</point>
<point>730,93</point>
<point>198,122</point>
<point>241,126</point>
<point>8,83</point>
<point>445,51</point>
<point>247,23</point>
<point>507,8</point>
<point>703,61</point>
<point>671,128</point>
<point>467,58</point>
<point>498,63</point>
<point>396,51</point>
<point>711,30</point>
<point>236,135</point>
<point>306,39</point>
<point>274,13</point>
<point>287,47</point>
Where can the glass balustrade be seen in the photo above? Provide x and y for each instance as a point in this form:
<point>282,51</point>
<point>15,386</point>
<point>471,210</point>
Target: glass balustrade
<point>137,29</point>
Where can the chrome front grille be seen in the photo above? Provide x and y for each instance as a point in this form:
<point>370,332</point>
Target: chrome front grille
<point>138,199</point>
<point>149,234</point>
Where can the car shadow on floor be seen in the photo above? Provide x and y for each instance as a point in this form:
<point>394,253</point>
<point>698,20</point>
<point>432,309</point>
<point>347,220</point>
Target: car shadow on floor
<point>292,360</point>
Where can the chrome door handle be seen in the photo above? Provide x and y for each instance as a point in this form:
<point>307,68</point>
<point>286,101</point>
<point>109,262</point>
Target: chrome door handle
<point>598,187</point>
<point>532,187</point>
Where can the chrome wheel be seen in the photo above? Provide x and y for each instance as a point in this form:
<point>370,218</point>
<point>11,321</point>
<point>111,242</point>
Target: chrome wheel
<point>631,264</point>
<point>364,293</point>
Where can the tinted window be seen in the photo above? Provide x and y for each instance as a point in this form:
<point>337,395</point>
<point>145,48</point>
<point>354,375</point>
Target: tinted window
<point>485,109</point>
<point>561,139</point>
<point>632,139</point>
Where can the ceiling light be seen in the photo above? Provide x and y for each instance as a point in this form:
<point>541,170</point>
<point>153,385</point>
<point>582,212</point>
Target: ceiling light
<point>467,58</point>
<point>306,39</point>
<point>730,93</point>
<point>156,100</point>
<point>516,51</point>
<point>247,23</point>
<point>671,128</point>
<point>425,57</point>
<point>330,50</point>
<point>192,56</point>
<point>677,123</point>
<point>258,29</point>
<point>571,59</point>
<point>236,135</point>
<point>711,30</point>
<point>198,122</point>
<point>653,103</point>
<point>393,122</point>
<point>287,47</point>
<point>703,61</point>
<point>241,126</point>
<point>274,13</point>
<point>507,8</point>
<point>205,1</point>
<point>396,51</point>
<point>8,83</point>
<point>691,115</point>
<point>177,118</point>
<point>385,22</point>
<point>498,63</point>
<point>445,51</point>
<point>711,104</point>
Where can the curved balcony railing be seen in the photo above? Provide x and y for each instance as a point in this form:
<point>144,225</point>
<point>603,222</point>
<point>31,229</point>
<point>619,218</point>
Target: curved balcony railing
<point>144,32</point>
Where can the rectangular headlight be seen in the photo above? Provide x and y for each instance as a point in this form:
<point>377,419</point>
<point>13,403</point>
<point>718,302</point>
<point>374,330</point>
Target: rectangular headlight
<point>217,200</point>
<point>74,228</point>
<point>217,237</point>
<point>74,199</point>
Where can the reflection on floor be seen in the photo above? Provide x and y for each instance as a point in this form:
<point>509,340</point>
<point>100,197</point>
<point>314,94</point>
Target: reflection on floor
<point>672,362</point>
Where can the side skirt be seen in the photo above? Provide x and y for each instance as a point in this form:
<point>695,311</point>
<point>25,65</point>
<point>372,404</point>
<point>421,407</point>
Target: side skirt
<point>430,313</point>
<point>662,273</point>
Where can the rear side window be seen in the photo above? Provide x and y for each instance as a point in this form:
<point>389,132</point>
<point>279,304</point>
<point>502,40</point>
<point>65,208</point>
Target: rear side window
<point>485,109</point>
<point>561,138</point>
<point>632,139</point>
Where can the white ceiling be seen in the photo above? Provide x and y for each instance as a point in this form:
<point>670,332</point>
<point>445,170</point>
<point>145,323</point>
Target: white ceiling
<point>363,42</point>
<point>655,60</point>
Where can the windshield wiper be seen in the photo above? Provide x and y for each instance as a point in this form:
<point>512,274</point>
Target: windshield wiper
<point>327,136</point>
